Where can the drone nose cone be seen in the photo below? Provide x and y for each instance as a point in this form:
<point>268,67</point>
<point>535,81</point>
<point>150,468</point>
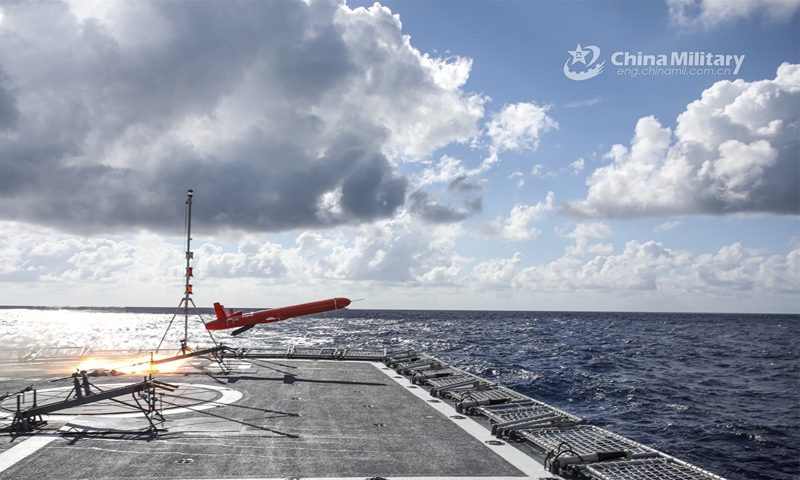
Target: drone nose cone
<point>342,302</point>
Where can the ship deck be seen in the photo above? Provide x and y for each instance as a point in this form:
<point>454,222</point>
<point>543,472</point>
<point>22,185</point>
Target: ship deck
<point>265,418</point>
<point>295,413</point>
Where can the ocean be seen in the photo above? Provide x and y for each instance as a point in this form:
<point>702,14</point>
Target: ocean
<point>721,391</point>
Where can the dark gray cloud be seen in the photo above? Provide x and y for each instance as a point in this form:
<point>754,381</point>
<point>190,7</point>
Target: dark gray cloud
<point>372,191</point>
<point>9,113</point>
<point>432,211</point>
<point>257,106</point>
<point>462,186</point>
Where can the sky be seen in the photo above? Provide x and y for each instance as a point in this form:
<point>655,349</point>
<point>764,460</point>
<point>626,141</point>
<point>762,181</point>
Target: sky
<point>489,155</point>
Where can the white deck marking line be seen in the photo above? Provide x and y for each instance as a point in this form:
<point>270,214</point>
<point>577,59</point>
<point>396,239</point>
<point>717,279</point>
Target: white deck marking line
<point>522,462</point>
<point>27,447</point>
<point>229,395</point>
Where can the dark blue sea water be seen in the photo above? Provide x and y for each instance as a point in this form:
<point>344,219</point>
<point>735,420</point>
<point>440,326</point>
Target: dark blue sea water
<point>720,391</point>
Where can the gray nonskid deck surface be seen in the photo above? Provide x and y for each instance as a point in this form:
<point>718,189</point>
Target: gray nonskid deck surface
<point>296,418</point>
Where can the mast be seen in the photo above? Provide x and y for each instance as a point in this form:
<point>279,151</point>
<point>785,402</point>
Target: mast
<point>189,256</point>
<point>187,292</point>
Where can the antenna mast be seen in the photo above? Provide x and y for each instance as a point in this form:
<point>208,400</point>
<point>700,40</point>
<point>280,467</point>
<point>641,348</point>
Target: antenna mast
<point>187,299</point>
<point>189,257</point>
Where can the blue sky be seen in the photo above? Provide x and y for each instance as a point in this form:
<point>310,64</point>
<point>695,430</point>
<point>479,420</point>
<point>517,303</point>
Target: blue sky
<point>428,155</point>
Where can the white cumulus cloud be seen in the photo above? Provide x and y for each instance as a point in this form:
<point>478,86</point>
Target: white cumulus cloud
<point>735,150</point>
<point>517,127</point>
<point>637,267</point>
<point>518,224</point>
<point>496,272</point>
<point>381,260</point>
<point>591,230</point>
